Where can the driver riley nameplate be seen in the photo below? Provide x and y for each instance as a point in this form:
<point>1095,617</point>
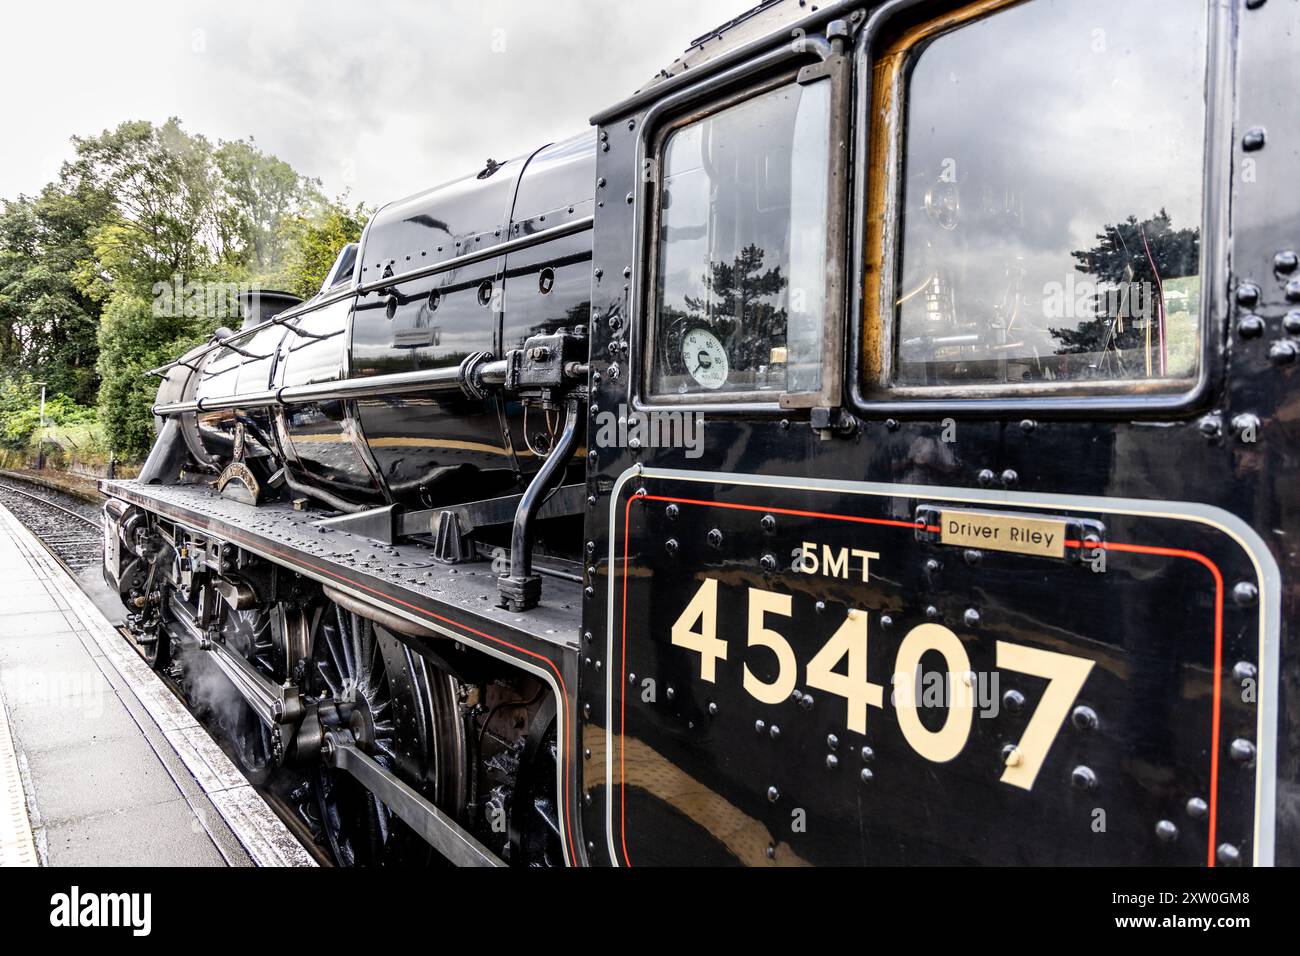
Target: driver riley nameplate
<point>811,671</point>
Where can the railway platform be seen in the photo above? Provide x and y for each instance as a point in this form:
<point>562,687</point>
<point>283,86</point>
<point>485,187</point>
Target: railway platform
<point>99,763</point>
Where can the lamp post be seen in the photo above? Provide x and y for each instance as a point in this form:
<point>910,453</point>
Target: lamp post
<point>40,442</point>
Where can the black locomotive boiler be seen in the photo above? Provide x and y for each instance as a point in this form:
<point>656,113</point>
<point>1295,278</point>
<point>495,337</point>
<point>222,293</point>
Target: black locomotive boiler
<point>871,444</point>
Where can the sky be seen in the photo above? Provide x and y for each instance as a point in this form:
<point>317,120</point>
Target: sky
<point>379,98</point>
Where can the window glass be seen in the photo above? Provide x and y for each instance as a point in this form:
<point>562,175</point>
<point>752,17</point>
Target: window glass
<point>1051,206</point>
<point>742,244</point>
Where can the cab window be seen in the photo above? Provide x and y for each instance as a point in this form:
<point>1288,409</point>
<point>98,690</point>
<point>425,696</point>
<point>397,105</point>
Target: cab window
<point>739,290</point>
<point>1050,201</point>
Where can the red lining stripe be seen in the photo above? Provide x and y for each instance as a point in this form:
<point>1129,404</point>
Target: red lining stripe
<point>1212,830</point>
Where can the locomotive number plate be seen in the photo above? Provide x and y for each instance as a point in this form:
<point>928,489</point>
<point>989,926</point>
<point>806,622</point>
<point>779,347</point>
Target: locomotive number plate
<point>809,676</point>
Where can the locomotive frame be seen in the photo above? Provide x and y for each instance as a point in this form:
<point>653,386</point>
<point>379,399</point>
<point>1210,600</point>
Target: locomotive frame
<point>709,760</point>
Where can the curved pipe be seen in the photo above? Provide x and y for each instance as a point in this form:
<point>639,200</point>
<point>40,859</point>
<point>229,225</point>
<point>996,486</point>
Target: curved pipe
<point>338,504</point>
<point>521,589</point>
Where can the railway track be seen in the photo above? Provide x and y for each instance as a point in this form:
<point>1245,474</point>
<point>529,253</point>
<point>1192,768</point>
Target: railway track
<point>69,526</point>
<point>72,529</point>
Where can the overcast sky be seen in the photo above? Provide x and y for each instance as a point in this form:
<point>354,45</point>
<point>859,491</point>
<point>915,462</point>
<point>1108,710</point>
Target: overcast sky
<point>379,97</point>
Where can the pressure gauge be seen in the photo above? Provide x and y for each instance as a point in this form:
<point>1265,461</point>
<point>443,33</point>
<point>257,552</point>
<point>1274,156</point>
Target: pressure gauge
<point>705,358</point>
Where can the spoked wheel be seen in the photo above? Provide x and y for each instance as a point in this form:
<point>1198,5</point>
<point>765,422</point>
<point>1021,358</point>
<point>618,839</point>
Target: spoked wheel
<point>248,633</point>
<point>150,633</point>
<point>535,816</point>
<point>404,714</point>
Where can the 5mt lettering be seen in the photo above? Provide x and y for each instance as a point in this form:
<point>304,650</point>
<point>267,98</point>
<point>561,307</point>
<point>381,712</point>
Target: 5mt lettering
<point>696,629</point>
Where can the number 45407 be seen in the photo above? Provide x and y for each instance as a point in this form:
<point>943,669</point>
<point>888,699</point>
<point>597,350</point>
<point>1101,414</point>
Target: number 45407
<point>697,630</point>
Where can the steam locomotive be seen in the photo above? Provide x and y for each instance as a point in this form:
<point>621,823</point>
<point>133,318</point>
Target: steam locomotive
<point>870,443</point>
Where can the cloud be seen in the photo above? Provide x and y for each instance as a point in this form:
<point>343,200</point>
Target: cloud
<point>381,99</point>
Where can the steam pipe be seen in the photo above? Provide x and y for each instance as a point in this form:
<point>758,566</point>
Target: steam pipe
<point>466,377</point>
<point>521,589</point>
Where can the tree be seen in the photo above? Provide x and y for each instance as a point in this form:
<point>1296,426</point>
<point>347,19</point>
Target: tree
<point>736,300</point>
<point>1131,256</point>
<point>312,242</point>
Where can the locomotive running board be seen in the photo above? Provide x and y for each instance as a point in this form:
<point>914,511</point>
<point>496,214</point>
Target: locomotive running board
<point>435,827</point>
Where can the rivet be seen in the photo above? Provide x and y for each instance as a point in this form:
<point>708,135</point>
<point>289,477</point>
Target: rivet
<point>1291,323</point>
<point>1254,4</point>
<point>759,726</point>
<point>1250,326</point>
<point>670,692</point>
<point>671,545</point>
<point>774,731</point>
<point>1084,718</point>
<point>672,511</point>
<point>1009,477</point>
<point>713,709</point>
<point>1210,426</point>
<point>1013,701</point>
<point>820,607</point>
<point>586,711</point>
<point>891,424</point>
<point>768,562</point>
<point>1243,751</point>
<point>1292,290</point>
<point>1166,831</point>
<point>1197,808</point>
<point>773,794</point>
<point>932,565</point>
<point>1282,352</point>
<point>586,753</point>
<point>631,678</point>
<point>1243,671</point>
<point>832,761</point>
<point>1083,778</point>
<point>715,538</point>
<point>932,612</point>
<point>971,617</point>
<point>1228,854</point>
<point>1028,425</point>
<point>1286,261</point>
<point>806,701</point>
<point>986,477</point>
<point>868,755</point>
<point>1247,294</point>
<point>972,555</point>
<point>1254,139</point>
<point>1245,594</point>
<point>886,621</point>
<point>771,852</point>
<point>832,741</point>
<point>1011,756</point>
<point>767,523</point>
<point>866,775</point>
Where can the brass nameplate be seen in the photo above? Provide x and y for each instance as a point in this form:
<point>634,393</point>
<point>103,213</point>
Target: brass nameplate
<point>996,531</point>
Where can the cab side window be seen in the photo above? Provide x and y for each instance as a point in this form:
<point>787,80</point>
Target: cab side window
<point>739,291</point>
<point>1049,218</point>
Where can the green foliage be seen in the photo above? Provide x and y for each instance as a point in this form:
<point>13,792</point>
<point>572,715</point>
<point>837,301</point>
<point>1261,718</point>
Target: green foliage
<point>313,241</point>
<point>141,209</point>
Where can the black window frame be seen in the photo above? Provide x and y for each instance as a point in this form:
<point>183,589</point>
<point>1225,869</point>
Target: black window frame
<point>872,391</point>
<point>773,70</point>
